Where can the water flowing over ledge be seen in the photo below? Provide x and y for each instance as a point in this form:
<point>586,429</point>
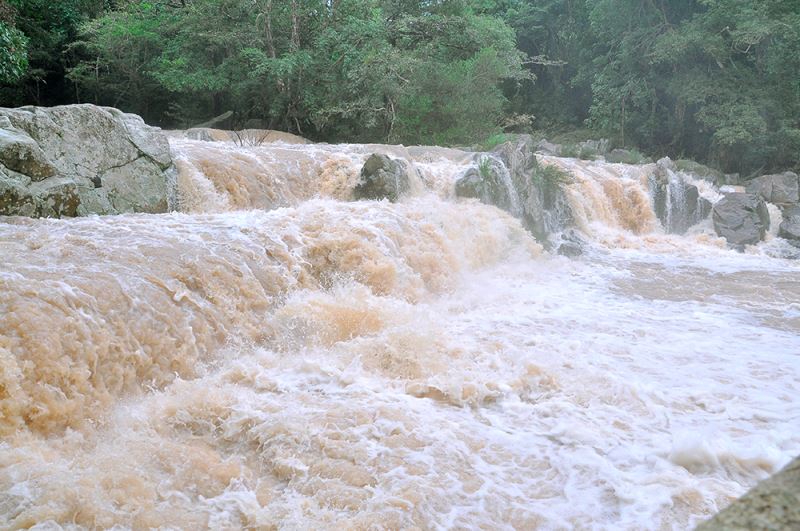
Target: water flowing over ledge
<point>278,356</point>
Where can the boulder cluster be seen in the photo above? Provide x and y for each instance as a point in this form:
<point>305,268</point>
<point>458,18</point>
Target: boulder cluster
<point>742,216</point>
<point>80,160</point>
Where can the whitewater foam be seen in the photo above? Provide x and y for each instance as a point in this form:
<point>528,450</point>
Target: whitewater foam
<point>327,364</point>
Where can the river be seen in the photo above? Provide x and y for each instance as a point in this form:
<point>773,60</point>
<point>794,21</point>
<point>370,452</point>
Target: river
<point>277,357</point>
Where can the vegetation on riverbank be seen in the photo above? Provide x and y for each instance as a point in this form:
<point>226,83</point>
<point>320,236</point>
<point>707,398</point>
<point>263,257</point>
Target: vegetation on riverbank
<point>711,80</point>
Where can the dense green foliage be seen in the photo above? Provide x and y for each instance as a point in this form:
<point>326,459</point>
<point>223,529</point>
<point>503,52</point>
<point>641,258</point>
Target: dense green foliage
<point>711,80</point>
<point>13,54</point>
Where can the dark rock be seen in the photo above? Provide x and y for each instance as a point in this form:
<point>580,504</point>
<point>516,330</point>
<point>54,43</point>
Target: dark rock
<point>779,189</point>
<point>382,178</point>
<point>570,250</point>
<point>741,218</point>
<point>472,185</point>
<point>773,504</point>
<point>489,183</point>
<point>55,197</point>
<point>572,243</point>
<point>677,203</point>
<point>790,228</point>
<point>542,204</point>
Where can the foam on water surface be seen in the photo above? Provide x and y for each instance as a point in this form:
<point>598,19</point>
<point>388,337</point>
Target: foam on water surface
<point>375,365</point>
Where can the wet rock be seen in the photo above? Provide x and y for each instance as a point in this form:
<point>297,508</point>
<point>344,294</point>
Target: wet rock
<point>541,202</point>
<point>55,197</point>
<point>742,219</point>
<point>676,202</point>
<point>779,189</point>
<point>572,244</point>
<point>81,159</point>
<point>790,227</point>
<point>382,178</point>
<point>774,504</point>
<point>485,183</point>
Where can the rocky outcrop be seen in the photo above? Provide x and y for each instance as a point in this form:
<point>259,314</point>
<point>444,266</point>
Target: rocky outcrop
<point>773,504</point>
<point>790,227</point>
<point>676,202</point>
<point>382,178</point>
<point>779,189</point>
<point>78,160</point>
<point>489,182</point>
<point>741,218</point>
<point>540,199</point>
<point>510,178</point>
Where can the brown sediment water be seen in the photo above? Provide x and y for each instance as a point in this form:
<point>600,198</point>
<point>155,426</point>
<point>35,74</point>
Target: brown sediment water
<point>278,357</point>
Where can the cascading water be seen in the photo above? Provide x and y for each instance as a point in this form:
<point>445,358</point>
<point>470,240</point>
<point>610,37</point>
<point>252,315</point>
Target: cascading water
<point>279,357</point>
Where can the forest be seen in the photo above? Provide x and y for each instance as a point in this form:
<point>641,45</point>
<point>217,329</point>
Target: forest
<point>717,81</point>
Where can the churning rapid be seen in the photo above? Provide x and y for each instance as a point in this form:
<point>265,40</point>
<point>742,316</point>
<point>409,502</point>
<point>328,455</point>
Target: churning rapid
<point>278,356</point>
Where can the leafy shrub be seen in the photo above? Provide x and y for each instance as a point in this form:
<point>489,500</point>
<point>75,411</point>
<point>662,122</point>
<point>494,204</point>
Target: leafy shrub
<point>587,153</point>
<point>551,176</point>
<point>494,141</point>
<point>627,156</point>
<point>13,54</point>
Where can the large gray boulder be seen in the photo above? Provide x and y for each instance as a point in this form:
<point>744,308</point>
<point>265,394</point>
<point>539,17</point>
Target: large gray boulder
<point>741,218</point>
<point>382,178</point>
<point>773,504</point>
<point>790,227</point>
<point>78,160</point>
<point>779,189</point>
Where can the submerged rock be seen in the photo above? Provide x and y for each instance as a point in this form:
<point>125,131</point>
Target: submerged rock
<point>81,159</point>
<point>741,218</point>
<point>779,189</point>
<point>572,243</point>
<point>790,227</point>
<point>772,504</point>
<point>382,178</point>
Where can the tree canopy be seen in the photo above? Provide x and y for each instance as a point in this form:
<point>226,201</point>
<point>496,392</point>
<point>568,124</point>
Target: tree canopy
<point>713,80</point>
